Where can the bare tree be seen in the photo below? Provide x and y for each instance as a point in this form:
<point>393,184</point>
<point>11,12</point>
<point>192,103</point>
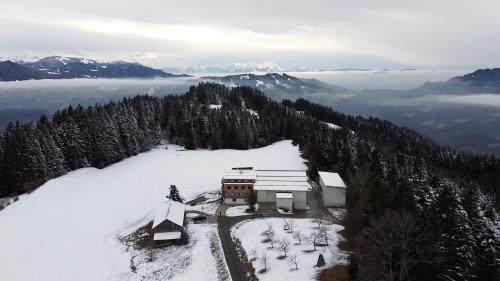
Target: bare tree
<point>284,245</point>
<point>393,235</point>
<point>323,232</point>
<point>272,241</point>
<point>313,239</point>
<point>286,225</point>
<point>293,260</point>
<point>298,236</point>
<point>263,260</point>
<point>253,253</point>
<point>318,221</point>
<point>269,233</point>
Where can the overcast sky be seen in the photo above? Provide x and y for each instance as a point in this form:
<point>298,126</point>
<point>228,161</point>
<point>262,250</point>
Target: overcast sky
<point>323,33</point>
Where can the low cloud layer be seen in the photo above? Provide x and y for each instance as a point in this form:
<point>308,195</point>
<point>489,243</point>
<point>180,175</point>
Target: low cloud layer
<point>489,100</point>
<point>333,33</point>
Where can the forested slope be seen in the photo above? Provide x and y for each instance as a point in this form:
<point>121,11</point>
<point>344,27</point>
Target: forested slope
<point>416,210</point>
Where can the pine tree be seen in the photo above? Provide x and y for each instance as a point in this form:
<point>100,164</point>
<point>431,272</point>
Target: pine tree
<point>54,157</point>
<point>35,170</point>
<point>72,142</point>
<point>105,146</point>
<point>456,240</point>
<point>130,133</point>
<point>174,194</point>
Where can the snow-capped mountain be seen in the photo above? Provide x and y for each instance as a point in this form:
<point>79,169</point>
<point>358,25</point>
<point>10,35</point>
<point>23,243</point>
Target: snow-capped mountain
<point>279,86</point>
<point>254,67</point>
<point>58,67</point>
<point>248,67</point>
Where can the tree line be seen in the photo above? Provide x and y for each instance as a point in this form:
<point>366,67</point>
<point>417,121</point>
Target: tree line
<point>436,207</point>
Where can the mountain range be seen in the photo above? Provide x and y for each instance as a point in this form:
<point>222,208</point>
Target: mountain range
<point>248,67</point>
<point>57,67</point>
<point>281,86</point>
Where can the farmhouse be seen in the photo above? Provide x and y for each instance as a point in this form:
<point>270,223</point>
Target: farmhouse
<point>237,185</point>
<point>169,222</point>
<point>332,189</point>
<point>287,188</point>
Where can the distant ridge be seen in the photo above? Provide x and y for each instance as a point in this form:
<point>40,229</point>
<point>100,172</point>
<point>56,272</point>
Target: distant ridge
<point>58,67</point>
<point>487,75</point>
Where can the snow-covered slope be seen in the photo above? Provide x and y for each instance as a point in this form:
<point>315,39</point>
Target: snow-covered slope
<point>67,228</point>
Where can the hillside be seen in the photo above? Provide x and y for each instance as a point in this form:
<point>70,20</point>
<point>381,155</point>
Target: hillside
<point>11,71</point>
<point>68,68</point>
<point>446,201</point>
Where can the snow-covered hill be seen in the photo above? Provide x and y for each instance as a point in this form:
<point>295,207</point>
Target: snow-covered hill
<point>279,86</point>
<point>67,229</point>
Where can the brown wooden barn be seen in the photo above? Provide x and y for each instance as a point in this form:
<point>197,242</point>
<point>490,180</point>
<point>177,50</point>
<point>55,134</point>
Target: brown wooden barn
<point>169,222</point>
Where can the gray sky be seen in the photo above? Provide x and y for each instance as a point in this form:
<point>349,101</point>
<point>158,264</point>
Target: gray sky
<point>322,33</point>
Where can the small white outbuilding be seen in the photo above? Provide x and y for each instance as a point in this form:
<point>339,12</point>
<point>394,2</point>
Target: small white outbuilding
<point>284,200</point>
<point>333,189</point>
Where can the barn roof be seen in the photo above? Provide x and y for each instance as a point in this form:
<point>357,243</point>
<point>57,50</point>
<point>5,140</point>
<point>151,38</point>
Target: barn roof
<point>332,179</point>
<point>172,211</point>
<point>240,174</point>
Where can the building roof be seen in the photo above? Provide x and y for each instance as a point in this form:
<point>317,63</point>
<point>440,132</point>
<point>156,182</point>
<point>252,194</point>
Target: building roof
<point>297,187</point>
<point>280,195</point>
<point>332,179</point>
<point>240,174</point>
<point>279,183</point>
<point>167,235</point>
<point>275,180</point>
<point>283,179</point>
<point>281,173</point>
<point>172,211</point>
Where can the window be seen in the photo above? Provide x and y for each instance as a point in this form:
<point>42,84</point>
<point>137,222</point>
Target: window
<point>236,187</point>
<point>234,199</point>
<point>228,187</point>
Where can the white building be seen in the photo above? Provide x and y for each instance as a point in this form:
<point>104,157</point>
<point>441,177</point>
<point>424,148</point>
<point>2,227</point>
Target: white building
<point>279,185</point>
<point>284,201</point>
<point>332,189</point>
<point>291,185</point>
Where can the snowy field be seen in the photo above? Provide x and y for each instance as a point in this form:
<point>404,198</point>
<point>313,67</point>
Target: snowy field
<point>68,228</point>
<point>249,233</point>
